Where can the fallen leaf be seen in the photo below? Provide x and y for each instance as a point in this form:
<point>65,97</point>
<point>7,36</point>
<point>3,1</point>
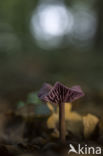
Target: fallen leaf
<point>73,121</point>
<point>89,122</point>
<point>74,124</point>
<point>53,120</point>
<point>51,107</point>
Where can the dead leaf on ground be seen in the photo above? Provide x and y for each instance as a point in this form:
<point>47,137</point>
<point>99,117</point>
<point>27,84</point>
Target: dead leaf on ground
<point>52,121</point>
<point>89,122</point>
<point>54,118</point>
<point>74,124</point>
<point>73,121</point>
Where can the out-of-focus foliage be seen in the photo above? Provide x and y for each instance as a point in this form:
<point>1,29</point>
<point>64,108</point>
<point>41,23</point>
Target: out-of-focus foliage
<point>33,98</point>
<point>36,46</point>
<point>33,107</point>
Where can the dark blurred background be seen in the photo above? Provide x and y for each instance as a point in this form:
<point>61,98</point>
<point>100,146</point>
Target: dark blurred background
<point>48,41</point>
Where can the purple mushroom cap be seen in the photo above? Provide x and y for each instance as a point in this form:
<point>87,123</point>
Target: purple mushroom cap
<point>59,93</point>
<point>44,91</point>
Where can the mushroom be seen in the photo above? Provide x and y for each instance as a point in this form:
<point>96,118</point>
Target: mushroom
<point>60,94</point>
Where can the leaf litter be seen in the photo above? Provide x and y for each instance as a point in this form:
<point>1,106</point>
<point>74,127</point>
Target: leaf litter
<point>30,131</point>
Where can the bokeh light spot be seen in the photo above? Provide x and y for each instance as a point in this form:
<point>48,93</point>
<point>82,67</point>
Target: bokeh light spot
<point>50,22</point>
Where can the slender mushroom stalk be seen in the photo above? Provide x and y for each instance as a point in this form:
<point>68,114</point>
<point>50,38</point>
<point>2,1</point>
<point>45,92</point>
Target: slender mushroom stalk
<point>62,122</point>
<point>60,94</point>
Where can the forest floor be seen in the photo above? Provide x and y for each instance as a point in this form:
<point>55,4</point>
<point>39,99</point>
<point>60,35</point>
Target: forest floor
<point>31,128</point>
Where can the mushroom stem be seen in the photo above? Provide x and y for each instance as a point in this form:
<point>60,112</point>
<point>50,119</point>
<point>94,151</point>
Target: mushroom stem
<point>62,121</point>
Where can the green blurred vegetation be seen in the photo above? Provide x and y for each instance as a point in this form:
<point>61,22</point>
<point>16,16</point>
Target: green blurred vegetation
<point>24,65</point>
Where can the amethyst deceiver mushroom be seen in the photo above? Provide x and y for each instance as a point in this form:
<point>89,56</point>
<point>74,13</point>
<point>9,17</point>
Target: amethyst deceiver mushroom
<point>60,94</point>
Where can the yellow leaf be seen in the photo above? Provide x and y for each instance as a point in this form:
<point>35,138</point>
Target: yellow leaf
<point>50,106</point>
<point>74,124</point>
<point>89,122</point>
<point>52,120</point>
